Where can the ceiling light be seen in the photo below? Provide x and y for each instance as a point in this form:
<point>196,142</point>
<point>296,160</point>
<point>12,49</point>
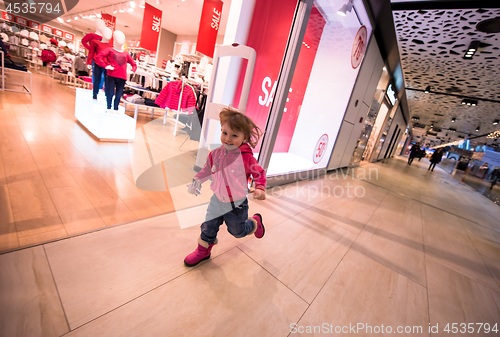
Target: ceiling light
<point>427,89</point>
<point>345,8</point>
<point>495,122</point>
<point>384,68</point>
<point>471,50</point>
<point>130,10</point>
<point>132,4</point>
<point>76,18</point>
<point>453,120</point>
<point>68,20</point>
<point>470,102</point>
<point>142,4</point>
<point>158,2</point>
<point>121,10</point>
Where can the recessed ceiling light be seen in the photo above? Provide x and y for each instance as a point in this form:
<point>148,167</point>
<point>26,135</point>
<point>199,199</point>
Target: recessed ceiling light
<point>495,122</point>
<point>453,120</point>
<point>427,89</point>
<point>130,10</point>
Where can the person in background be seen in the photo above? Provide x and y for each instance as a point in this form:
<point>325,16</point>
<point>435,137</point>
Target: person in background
<point>435,159</point>
<point>421,154</point>
<point>414,151</point>
<point>494,177</point>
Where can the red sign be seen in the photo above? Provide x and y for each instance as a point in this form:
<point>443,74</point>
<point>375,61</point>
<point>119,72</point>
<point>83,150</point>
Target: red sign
<point>81,48</point>
<point>8,16</point>
<point>69,36</point>
<point>21,21</point>
<point>58,32</point>
<point>110,22</point>
<point>209,27</point>
<point>164,63</point>
<point>141,56</point>
<point>152,54</point>
<point>359,47</point>
<point>47,29</point>
<point>319,149</point>
<point>151,25</point>
<point>34,24</point>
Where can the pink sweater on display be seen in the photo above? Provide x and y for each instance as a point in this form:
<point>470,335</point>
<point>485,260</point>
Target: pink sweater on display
<point>118,60</point>
<point>170,95</point>
<point>96,47</point>
<point>89,37</point>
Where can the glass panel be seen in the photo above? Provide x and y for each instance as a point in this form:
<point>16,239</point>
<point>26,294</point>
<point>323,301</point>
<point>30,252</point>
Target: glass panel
<point>370,119</point>
<point>379,123</point>
<point>320,89</point>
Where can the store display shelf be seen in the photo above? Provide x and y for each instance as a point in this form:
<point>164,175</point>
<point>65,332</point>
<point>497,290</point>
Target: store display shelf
<point>93,115</point>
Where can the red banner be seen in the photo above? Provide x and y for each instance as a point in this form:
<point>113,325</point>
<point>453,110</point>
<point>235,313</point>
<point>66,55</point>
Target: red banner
<point>46,29</point>
<point>151,25</point>
<point>22,21</point>
<point>34,24</point>
<point>8,16</point>
<point>164,64</point>
<point>110,22</point>
<point>209,27</point>
<point>58,32</point>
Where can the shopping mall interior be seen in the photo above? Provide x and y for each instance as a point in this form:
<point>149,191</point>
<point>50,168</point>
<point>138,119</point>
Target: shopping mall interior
<point>96,217</point>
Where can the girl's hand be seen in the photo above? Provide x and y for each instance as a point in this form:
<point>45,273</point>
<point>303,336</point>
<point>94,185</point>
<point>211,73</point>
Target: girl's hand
<point>110,67</point>
<point>259,194</point>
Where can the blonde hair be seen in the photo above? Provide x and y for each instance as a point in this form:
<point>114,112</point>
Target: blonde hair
<point>242,123</point>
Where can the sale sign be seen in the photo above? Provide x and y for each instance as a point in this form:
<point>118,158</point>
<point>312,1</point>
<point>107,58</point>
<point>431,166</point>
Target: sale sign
<point>69,36</point>
<point>110,22</point>
<point>151,26</point>
<point>209,27</point>
<point>359,47</point>
<point>47,29</point>
<point>34,24</point>
<point>22,21</point>
<point>8,16</point>
<point>58,32</point>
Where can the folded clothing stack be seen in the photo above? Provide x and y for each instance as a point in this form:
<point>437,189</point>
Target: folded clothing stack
<point>136,99</point>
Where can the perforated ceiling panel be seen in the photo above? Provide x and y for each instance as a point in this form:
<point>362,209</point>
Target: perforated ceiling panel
<point>432,44</point>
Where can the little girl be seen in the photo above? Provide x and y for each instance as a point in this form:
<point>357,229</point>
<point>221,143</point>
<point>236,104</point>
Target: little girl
<point>230,166</point>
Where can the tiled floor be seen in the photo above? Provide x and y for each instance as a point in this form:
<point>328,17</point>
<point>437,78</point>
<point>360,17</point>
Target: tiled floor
<point>56,180</point>
<point>401,249</point>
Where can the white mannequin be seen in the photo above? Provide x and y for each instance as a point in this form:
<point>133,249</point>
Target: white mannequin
<point>99,25</point>
<point>106,34</point>
<point>119,41</point>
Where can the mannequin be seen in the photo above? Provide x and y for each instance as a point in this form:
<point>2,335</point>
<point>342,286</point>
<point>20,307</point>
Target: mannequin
<point>98,72</point>
<point>99,25</point>
<point>115,61</point>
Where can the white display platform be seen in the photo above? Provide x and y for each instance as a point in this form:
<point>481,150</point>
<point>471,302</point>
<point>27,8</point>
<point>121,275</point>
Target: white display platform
<point>105,126</point>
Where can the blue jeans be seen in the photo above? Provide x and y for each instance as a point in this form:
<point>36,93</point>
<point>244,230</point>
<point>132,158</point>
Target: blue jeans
<point>236,219</point>
<point>98,78</point>
<point>111,84</point>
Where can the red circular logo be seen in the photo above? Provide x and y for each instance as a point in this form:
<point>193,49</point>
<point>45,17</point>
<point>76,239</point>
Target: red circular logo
<point>320,148</point>
<point>359,47</point>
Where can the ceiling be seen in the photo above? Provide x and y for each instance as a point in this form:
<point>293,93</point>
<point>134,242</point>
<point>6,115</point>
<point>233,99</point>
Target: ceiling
<point>432,43</point>
<point>178,16</point>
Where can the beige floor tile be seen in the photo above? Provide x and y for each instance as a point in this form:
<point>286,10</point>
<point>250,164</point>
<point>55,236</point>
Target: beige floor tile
<point>116,213</point>
<point>30,129</point>
<point>398,246</point>
<point>366,292</point>
<point>455,298</point>
<point>29,304</point>
<point>142,207</point>
<point>232,295</point>
<point>456,250</point>
<point>120,184</point>
<point>302,252</point>
<point>161,199</point>
<point>18,161</point>
<point>49,233</point>
<point>69,199</point>
<point>82,221</point>
<point>130,259</point>
<point>68,154</point>
<point>30,199</point>
<point>8,231</point>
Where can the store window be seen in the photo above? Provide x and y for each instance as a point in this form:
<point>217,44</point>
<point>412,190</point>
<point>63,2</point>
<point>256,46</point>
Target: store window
<point>320,89</point>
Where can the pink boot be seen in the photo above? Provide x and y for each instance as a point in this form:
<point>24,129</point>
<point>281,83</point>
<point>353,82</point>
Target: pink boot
<point>201,253</point>
<point>259,230</point>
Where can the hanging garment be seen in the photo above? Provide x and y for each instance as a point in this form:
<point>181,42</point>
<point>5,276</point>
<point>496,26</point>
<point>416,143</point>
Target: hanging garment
<point>170,96</point>
<point>89,37</point>
<point>54,41</point>
<point>80,64</point>
<point>118,60</point>
<point>34,35</point>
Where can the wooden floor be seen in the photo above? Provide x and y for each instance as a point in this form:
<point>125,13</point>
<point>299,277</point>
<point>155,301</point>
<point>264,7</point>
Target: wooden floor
<point>56,180</point>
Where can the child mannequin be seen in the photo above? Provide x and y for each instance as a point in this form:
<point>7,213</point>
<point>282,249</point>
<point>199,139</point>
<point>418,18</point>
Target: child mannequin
<point>99,25</point>
<point>98,72</point>
<point>229,166</point>
<point>115,61</point>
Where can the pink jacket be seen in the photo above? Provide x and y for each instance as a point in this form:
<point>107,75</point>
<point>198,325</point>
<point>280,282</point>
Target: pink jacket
<point>96,47</point>
<point>169,97</point>
<point>230,171</point>
<point>116,59</point>
<point>89,37</point>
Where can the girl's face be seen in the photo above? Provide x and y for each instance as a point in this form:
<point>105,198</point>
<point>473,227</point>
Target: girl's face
<point>231,138</point>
